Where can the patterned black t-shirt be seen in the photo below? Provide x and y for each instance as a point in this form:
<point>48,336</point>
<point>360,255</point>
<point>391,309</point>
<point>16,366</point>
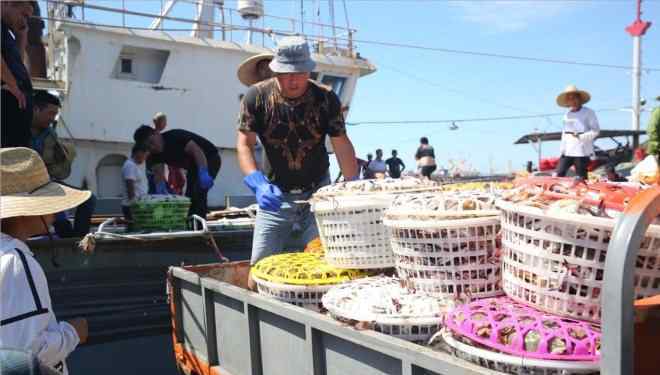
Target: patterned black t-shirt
<point>293,131</point>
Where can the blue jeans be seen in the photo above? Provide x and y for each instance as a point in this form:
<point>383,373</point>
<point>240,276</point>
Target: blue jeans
<point>293,225</point>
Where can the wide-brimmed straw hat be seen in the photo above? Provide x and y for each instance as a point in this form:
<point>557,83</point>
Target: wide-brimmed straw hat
<point>292,56</point>
<point>247,71</point>
<point>571,89</point>
<point>26,189</point>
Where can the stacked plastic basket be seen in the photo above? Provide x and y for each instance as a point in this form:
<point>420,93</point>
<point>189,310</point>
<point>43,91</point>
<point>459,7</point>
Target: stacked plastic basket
<point>445,244</point>
<point>554,258</point>
<point>385,305</point>
<point>299,278</point>
<point>502,335</point>
<point>349,217</point>
<point>160,213</point>
<point>555,235</point>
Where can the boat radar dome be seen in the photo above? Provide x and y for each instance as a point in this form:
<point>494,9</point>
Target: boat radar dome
<point>251,9</point>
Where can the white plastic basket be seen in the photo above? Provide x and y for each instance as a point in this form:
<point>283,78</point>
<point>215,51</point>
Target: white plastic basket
<point>510,364</point>
<point>300,295</point>
<point>555,262</point>
<point>387,307</point>
<point>445,249</point>
<point>349,217</point>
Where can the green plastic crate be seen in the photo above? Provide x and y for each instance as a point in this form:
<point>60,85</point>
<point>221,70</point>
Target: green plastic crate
<point>168,214</point>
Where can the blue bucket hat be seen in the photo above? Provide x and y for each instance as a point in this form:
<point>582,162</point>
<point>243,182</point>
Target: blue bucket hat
<point>292,56</point>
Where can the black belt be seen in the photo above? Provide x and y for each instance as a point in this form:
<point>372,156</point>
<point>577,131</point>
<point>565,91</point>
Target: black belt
<point>303,189</point>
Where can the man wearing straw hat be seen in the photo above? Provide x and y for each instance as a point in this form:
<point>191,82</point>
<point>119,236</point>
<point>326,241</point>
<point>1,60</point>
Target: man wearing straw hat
<point>580,130</point>
<point>28,202</point>
<point>291,115</point>
<point>255,69</point>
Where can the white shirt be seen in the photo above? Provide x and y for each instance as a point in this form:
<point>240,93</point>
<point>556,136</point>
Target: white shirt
<point>27,320</point>
<point>377,166</point>
<point>585,123</point>
<point>138,174</point>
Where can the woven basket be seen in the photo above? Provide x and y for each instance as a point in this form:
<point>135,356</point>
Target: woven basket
<point>555,262</point>
<point>446,244</point>
<point>299,278</point>
<point>349,217</point>
<point>509,364</point>
<point>386,306</point>
<point>160,213</point>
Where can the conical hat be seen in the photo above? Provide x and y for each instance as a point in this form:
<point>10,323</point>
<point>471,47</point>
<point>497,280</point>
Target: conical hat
<point>571,89</point>
<point>247,71</point>
<point>26,189</point>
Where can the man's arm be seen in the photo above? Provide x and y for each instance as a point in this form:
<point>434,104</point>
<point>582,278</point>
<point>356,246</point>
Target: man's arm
<point>11,85</point>
<point>197,154</point>
<point>130,189</point>
<point>345,154</point>
<point>403,166</point>
<point>159,173</point>
<point>245,142</point>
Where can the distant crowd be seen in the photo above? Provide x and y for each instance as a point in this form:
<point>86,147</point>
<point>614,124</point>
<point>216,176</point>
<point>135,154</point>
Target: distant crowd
<point>394,167</point>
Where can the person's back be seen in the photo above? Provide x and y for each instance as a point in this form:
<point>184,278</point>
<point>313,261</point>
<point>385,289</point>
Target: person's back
<point>395,165</point>
<point>425,157</point>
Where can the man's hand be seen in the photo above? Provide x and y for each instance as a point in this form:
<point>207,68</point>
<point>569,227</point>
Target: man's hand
<point>81,327</point>
<point>269,196</point>
<point>18,94</point>
<point>205,179</point>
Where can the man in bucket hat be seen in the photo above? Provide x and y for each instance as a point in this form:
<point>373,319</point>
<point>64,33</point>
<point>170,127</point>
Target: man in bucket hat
<point>291,115</point>
<point>580,130</point>
<point>28,202</point>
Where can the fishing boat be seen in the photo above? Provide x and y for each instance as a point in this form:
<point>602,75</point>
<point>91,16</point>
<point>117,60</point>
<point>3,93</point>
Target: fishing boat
<point>115,64</point>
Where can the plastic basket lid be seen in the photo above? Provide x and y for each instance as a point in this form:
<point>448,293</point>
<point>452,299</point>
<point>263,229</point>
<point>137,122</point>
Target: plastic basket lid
<point>442,205</point>
<point>302,269</point>
<point>161,198</point>
<point>486,186</point>
<point>510,327</point>
<point>379,186</point>
<point>384,300</point>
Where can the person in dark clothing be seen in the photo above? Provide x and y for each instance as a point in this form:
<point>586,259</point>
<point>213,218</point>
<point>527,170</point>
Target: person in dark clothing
<point>16,83</point>
<point>395,165</point>
<point>182,149</point>
<point>425,157</point>
<point>612,176</point>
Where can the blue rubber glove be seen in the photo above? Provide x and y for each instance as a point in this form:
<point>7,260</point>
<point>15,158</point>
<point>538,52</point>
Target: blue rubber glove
<point>205,179</point>
<point>161,188</point>
<point>269,196</point>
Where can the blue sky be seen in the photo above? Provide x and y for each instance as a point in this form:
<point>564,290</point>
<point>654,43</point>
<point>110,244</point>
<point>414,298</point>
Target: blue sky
<point>413,84</point>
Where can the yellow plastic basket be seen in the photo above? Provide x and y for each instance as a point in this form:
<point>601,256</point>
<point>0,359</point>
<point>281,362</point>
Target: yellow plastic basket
<point>308,269</point>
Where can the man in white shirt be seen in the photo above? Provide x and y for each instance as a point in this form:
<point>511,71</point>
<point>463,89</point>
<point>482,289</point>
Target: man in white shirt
<point>377,167</point>
<point>134,175</point>
<point>580,130</point>
<point>28,202</point>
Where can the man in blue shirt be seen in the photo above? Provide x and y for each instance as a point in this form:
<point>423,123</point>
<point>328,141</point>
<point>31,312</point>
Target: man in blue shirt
<point>16,82</point>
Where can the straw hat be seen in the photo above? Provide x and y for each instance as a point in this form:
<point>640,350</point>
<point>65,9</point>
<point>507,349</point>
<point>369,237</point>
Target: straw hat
<point>247,71</point>
<point>26,189</point>
<point>571,89</point>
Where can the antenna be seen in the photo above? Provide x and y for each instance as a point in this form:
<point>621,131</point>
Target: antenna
<point>637,29</point>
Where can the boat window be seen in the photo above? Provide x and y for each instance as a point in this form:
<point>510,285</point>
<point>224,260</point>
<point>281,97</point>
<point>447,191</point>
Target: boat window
<point>108,176</point>
<point>334,82</point>
<point>314,76</point>
<point>127,65</point>
<point>141,64</point>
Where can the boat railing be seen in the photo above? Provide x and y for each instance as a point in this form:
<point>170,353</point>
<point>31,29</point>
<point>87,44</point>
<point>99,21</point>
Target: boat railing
<point>327,39</point>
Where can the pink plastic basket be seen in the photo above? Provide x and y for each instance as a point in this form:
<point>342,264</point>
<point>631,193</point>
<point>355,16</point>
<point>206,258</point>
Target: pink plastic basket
<point>510,327</point>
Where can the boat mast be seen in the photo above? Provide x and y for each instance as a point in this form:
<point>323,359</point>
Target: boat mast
<point>637,29</point>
